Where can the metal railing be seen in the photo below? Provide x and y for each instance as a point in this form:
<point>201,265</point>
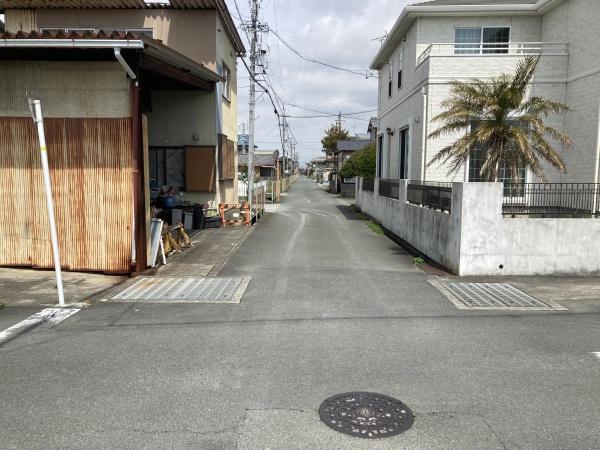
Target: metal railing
<point>551,199</point>
<point>368,185</point>
<point>389,188</point>
<point>430,195</point>
<point>478,49</point>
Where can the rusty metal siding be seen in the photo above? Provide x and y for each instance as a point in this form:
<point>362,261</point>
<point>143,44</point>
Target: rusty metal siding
<point>91,172</point>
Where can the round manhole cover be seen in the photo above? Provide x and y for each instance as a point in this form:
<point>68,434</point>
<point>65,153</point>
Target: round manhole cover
<point>366,415</point>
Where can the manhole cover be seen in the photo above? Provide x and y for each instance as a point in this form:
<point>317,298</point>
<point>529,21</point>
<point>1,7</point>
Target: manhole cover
<point>492,296</point>
<point>366,415</point>
<point>185,290</point>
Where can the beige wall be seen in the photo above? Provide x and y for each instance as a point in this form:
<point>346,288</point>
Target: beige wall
<point>189,32</point>
<point>181,118</point>
<point>226,54</point>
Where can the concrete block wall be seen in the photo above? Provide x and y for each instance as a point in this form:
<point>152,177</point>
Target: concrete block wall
<point>434,233</point>
<point>476,240</point>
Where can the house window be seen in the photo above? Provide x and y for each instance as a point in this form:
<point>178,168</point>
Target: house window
<point>404,148</point>
<point>226,82</point>
<point>390,78</point>
<point>477,159</point>
<point>167,166</point>
<point>379,156</point>
<point>400,65</point>
<point>486,40</point>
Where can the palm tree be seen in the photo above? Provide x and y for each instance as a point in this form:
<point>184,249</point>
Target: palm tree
<point>501,121</point>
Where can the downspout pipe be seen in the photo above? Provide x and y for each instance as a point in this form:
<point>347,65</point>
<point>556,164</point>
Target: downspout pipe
<point>124,64</point>
<point>425,93</point>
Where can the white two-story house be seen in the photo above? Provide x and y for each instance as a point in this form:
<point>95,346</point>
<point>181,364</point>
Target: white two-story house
<point>436,42</point>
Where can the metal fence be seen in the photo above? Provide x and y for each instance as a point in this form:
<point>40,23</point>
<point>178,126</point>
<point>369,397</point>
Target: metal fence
<point>389,188</point>
<point>551,199</point>
<point>430,195</point>
<point>368,185</point>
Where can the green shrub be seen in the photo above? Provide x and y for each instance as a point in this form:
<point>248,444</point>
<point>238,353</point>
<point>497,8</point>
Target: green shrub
<point>361,164</point>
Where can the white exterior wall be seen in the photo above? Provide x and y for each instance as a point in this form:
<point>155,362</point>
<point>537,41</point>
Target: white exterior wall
<point>573,78</point>
<point>576,22</point>
<point>403,109</point>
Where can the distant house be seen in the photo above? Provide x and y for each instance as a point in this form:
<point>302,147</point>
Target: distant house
<point>344,149</point>
<point>319,169</point>
<point>133,94</point>
<point>266,163</point>
<point>347,147</point>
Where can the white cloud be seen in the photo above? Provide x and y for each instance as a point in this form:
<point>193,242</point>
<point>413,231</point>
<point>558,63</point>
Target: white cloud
<point>338,32</point>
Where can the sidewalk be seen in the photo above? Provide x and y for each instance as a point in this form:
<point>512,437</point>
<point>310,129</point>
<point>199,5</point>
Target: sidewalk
<point>29,287</point>
<point>211,249</point>
<point>25,287</point>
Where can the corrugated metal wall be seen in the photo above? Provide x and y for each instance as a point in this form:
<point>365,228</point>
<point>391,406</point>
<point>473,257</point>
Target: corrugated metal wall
<point>91,169</point>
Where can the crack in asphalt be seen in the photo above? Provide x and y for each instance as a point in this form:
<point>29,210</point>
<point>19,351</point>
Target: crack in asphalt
<point>500,441</point>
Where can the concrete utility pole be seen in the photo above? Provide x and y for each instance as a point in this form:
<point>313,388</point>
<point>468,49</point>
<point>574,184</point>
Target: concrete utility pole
<point>252,105</point>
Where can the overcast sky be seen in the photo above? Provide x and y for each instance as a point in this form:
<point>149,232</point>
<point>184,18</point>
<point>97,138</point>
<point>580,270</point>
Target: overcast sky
<point>339,32</point>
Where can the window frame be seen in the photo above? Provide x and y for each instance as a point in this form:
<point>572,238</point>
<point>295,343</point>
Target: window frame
<point>400,68</point>
<point>390,78</point>
<point>226,81</point>
<point>479,48</point>
<point>404,157</point>
<point>526,174</point>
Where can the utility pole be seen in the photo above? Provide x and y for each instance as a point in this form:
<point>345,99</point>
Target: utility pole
<point>252,105</point>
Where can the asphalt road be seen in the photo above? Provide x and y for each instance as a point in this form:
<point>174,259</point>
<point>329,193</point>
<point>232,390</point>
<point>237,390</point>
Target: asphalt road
<point>332,307</point>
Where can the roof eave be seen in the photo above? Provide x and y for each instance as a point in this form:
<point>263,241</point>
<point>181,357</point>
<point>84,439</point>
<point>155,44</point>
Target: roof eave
<point>410,13</point>
<point>240,49</point>
<point>145,44</point>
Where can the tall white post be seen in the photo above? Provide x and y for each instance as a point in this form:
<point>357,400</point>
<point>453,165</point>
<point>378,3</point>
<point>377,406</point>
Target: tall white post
<point>252,105</point>
<point>36,111</point>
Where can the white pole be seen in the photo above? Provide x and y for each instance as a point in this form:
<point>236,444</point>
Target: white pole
<point>252,104</point>
<point>36,111</point>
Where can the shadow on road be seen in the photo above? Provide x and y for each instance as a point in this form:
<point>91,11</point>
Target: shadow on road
<point>349,213</point>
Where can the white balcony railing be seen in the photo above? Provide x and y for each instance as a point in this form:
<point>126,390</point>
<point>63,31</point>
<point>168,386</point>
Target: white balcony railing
<point>511,48</point>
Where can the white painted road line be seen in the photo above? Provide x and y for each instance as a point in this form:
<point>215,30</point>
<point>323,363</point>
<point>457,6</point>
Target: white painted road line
<point>596,355</point>
<point>53,315</point>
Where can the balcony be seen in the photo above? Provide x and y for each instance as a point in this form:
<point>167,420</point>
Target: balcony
<point>481,60</point>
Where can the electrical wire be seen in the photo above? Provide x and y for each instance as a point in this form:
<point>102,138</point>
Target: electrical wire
<point>366,73</point>
<point>331,114</point>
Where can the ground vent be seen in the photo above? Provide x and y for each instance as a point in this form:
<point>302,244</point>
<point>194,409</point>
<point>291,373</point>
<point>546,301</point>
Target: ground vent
<point>185,290</point>
<point>492,296</point>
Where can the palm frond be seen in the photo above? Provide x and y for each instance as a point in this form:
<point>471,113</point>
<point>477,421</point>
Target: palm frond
<point>496,117</point>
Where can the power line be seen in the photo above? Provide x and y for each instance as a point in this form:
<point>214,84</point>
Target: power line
<point>331,114</point>
<point>366,73</point>
<point>327,116</point>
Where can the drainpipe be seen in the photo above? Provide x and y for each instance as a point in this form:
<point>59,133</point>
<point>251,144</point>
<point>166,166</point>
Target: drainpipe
<point>425,92</point>
<point>124,64</point>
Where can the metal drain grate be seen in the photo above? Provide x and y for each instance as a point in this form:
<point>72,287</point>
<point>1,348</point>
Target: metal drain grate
<point>366,415</point>
<point>492,296</point>
<point>185,290</point>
